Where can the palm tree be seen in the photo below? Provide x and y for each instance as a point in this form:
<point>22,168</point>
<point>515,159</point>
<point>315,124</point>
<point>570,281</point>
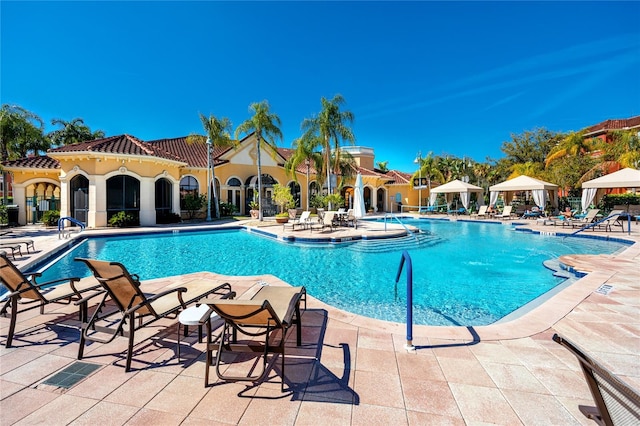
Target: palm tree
<point>428,168</point>
<point>332,126</point>
<point>218,135</point>
<point>73,131</point>
<point>265,126</point>
<point>529,168</point>
<point>304,153</point>
<point>383,166</point>
<point>573,144</point>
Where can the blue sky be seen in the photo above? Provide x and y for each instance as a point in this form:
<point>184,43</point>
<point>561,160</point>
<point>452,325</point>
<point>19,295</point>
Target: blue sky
<point>444,77</point>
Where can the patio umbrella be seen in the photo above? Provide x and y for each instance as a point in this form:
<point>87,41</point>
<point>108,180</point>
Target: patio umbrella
<point>358,198</point>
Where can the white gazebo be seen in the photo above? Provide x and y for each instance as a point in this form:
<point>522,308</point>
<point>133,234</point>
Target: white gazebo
<point>625,178</point>
<point>456,186</point>
<point>541,190</point>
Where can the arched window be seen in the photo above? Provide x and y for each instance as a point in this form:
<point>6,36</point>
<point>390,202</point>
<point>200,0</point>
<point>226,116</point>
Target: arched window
<point>123,194</point>
<point>233,193</point>
<point>188,186</point>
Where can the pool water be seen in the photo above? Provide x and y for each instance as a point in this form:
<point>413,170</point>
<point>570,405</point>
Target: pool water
<point>464,273</point>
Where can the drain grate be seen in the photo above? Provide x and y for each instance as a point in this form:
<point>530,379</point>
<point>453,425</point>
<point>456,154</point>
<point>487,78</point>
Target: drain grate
<point>71,374</point>
<point>604,289</point>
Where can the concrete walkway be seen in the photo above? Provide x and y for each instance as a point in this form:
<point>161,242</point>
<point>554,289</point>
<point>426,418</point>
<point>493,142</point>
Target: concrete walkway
<point>350,370</point>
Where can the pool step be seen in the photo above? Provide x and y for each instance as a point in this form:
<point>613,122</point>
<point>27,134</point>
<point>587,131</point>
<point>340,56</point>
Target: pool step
<point>408,242</point>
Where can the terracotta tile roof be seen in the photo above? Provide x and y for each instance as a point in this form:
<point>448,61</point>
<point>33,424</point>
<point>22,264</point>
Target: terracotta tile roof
<point>195,155</point>
<point>40,162</point>
<point>614,124</point>
<point>121,144</point>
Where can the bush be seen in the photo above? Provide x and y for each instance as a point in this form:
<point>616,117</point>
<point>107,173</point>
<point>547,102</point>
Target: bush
<point>122,220</point>
<point>4,219</point>
<point>227,209</point>
<point>610,200</point>
<point>193,204</point>
<point>51,217</point>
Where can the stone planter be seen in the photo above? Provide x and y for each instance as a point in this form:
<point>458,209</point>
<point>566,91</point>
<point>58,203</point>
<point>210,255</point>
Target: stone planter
<point>282,219</point>
<point>255,214</point>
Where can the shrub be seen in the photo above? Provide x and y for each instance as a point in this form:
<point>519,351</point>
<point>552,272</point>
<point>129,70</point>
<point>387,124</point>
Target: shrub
<point>282,197</point>
<point>4,219</point>
<point>227,209</point>
<point>193,204</point>
<point>51,217</point>
<point>610,200</point>
<point>122,220</point>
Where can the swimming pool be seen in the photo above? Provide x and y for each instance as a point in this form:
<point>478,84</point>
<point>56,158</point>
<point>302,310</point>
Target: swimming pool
<point>465,273</point>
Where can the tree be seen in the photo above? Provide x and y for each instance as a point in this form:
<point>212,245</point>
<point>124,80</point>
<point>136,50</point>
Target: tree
<point>428,168</point>
<point>531,146</point>
<point>622,151</point>
<point>331,125</point>
<point>74,131</point>
<point>573,144</point>
<point>21,132</point>
<point>383,166</point>
<point>217,135</point>
<point>304,153</point>
<point>265,125</point>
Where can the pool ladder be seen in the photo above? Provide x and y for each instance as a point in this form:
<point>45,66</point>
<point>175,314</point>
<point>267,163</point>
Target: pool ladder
<point>407,259</point>
<point>67,234</point>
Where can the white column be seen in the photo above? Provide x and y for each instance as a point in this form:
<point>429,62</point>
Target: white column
<point>20,198</point>
<point>64,197</point>
<point>97,216</point>
<point>147,202</point>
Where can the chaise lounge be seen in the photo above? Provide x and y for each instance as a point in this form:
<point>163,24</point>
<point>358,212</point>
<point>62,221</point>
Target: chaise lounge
<point>24,291</point>
<point>269,310</point>
<point>135,308</point>
<point>616,402</point>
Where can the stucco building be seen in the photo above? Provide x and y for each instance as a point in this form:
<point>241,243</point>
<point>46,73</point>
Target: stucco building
<point>91,181</point>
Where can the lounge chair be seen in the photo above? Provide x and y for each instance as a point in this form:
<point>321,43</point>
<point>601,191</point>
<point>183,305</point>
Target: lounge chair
<point>616,402</point>
<point>327,220</point>
<point>135,307</point>
<point>482,212</point>
<point>584,222</point>
<point>302,221</point>
<point>506,213</point>
<point>27,243</point>
<point>24,291</point>
<point>269,310</point>
<point>535,212</point>
<point>13,247</point>
<point>351,218</point>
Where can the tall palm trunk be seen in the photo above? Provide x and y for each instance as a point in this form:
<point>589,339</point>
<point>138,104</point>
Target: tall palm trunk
<point>259,180</point>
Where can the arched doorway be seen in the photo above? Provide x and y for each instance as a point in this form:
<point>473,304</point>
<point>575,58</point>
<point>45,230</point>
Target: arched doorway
<point>163,201</point>
<point>233,192</point>
<point>268,207</point>
<point>79,208</point>
<point>123,194</point>
<point>381,200</point>
<point>294,187</point>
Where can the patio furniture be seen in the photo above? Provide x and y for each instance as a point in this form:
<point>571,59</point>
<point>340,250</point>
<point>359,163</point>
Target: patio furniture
<point>135,308</point>
<point>585,221</point>
<point>24,291</point>
<point>195,315</point>
<point>482,212</point>
<point>13,247</point>
<point>616,402</point>
<point>302,221</point>
<point>506,213</point>
<point>269,313</point>
<point>27,243</point>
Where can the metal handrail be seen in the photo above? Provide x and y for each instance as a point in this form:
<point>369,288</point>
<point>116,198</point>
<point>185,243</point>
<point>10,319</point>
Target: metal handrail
<point>591,225</point>
<point>70,219</point>
<point>406,258</point>
<point>397,220</point>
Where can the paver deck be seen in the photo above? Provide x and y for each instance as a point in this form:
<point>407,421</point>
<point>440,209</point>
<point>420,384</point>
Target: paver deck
<point>350,370</point>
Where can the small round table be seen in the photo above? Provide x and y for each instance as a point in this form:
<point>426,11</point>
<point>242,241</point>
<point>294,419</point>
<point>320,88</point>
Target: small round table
<point>194,315</point>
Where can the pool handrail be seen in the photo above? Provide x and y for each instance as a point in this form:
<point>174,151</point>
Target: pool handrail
<point>392,216</point>
<point>70,219</point>
<point>406,258</point>
<point>619,215</point>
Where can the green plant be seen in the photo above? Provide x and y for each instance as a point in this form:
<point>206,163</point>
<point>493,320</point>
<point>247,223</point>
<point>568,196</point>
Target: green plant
<point>4,219</point>
<point>227,209</point>
<point>282,197</point>
<point>51,217</point>
<point>253,205</point>
<point>122,220</point>
<point>335,200</point>
<point>282,214</point>
<point>316,201</point>
<point>193,204</point>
